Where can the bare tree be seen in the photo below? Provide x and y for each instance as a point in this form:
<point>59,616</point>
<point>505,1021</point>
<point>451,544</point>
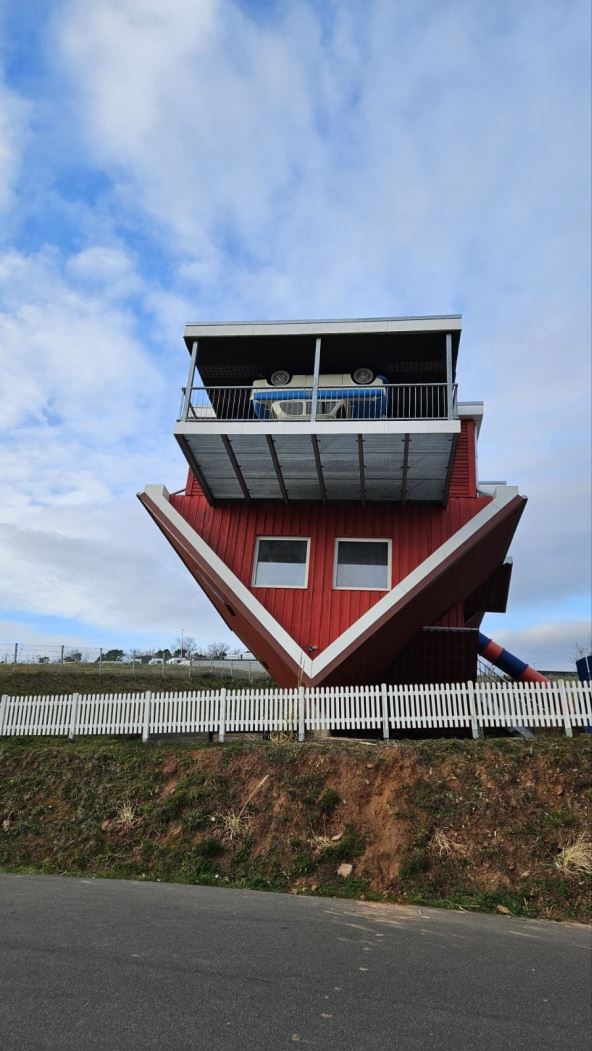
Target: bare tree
<point>185,646</point>
<point>217,651</point>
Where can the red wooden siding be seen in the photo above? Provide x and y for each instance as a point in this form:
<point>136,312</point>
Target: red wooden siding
<point>463,481</point>
<point>317,615</point>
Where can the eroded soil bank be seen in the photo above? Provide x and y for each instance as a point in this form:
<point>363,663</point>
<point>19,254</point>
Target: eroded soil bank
<point>480,825</point>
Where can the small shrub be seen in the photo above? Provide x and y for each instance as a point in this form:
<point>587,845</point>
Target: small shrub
<point>414,863</point>
<point>328,800</point>
<point>209,848</point>
<point>351,845</point>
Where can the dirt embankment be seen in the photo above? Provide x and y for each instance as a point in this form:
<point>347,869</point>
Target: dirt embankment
<point>481,825</point>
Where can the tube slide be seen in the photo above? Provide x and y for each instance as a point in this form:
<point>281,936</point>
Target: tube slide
<point>507,662</point>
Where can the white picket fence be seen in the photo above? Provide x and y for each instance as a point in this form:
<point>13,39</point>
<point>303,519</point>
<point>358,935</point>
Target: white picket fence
<point>384,707</point>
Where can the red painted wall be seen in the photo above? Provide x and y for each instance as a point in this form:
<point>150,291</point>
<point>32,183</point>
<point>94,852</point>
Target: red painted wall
<point>463,480</point>
<point>317,615</point>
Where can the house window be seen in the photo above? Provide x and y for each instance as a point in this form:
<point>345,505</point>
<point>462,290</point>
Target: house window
<point>281,562</point>
<point>363,564</point>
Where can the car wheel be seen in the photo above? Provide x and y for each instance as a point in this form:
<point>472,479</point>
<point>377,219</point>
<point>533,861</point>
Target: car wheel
<point>363,376</point>
<point>280,378</point>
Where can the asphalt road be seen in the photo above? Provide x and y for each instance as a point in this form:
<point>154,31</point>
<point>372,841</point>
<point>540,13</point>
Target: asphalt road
<point>109,964</point>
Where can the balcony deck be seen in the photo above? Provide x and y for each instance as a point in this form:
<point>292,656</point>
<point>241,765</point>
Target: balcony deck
<point>391,443</point>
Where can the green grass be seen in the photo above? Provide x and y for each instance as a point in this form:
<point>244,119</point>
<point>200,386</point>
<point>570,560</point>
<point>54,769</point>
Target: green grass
<point>43,679</point>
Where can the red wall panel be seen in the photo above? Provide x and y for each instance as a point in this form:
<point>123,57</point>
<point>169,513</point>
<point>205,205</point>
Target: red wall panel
<point>317,615</point>
<point>463,480</point>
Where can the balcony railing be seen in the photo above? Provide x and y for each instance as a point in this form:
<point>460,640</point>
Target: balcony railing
<point>400,401</point>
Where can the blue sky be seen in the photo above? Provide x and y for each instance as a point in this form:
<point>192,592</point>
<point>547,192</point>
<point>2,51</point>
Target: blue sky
<point>182,161</point>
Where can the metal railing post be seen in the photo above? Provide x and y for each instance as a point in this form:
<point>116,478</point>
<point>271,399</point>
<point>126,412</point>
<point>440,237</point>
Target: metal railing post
<point>189,387</point>
<point>449,375</point>
<point>315,379</point>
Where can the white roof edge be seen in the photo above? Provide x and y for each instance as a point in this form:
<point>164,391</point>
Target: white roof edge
<point>429,323</point>
<point>472,409</point>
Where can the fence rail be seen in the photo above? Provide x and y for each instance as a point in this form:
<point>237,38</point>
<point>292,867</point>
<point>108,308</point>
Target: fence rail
<point>475,706</point>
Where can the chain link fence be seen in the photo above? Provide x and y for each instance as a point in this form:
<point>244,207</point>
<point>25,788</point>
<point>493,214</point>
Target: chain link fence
<point>97,658</point>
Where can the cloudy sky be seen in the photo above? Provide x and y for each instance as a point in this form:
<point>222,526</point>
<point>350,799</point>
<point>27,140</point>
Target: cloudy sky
<point>165,161</point>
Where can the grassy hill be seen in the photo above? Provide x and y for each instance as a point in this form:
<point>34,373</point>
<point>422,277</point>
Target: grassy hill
<point>495,824</point>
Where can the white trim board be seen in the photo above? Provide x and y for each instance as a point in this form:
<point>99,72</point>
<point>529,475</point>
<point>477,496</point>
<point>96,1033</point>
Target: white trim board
<point>430,323</point>
<point>159,496</point>
<point>211,425</point>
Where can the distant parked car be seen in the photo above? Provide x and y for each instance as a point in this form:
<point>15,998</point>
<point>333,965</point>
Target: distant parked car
<point>178,660</point>
<point>156,660</point>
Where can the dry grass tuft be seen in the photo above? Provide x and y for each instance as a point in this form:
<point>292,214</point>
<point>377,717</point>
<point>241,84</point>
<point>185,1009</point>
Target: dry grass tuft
<point>280,737</point>
<point>576,857</point>
<point>441,843</point>
<point>322,842</point>
<point>126,816</point>
<point>235,823</point>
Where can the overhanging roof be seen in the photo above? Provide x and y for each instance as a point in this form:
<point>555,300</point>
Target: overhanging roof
<point>403,350</point>
<point>319,327</point>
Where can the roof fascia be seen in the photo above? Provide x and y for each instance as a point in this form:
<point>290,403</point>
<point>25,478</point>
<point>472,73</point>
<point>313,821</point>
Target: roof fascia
<point>361,326</point>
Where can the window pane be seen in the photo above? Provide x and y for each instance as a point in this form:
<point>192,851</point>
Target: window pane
<point>281,563</point>
<point>362,564</point>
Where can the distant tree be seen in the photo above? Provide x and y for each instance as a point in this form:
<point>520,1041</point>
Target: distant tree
<point>73,656</point>
<point>164,655</point>
<point>185,647</point>
<point>112,655</point>
<point>217,651</point>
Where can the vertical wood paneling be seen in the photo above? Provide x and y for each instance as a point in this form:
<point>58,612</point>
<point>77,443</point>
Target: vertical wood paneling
<point>317,615</point>
<point>463,481</point>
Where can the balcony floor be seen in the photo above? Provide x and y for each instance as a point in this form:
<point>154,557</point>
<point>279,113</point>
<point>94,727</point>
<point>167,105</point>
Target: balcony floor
<point>391,462</point>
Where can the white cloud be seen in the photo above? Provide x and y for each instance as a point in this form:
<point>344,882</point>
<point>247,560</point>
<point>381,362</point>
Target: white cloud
<point>70,356</point>
<point>548,646</point>
<point>109,269</point>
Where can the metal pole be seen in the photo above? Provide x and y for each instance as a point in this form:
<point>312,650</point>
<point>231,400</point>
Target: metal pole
<point>189,387</point>
<point>315,379</point>
<point>62,655</point>
<point>133,661</point>
<point>449,391</point>
<point>100,659</point>
<point>16,656</point>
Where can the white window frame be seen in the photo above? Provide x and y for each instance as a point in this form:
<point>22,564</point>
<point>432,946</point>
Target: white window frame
<point>364,540</point>
<point>293,587</point>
